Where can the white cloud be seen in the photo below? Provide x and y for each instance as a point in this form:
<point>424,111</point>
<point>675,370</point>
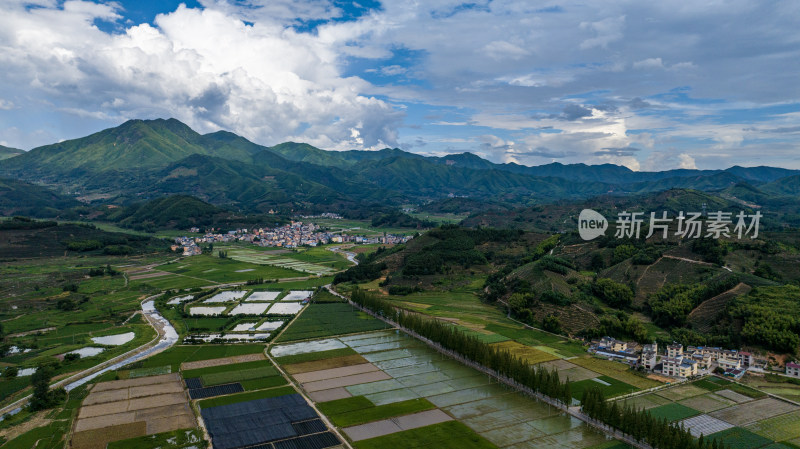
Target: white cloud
<point>686,161</point>
<point>205,67</point>
<point>6,104</point>
<point>606,31</point>
<point>649,63</point>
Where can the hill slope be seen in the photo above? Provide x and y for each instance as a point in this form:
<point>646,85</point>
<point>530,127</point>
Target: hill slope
<point>136,144</point>
<point>22,198</point>
<point>7,153</point>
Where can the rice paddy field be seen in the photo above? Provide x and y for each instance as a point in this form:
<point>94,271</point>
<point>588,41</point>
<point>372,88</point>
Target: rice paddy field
<point>735,414</point>
<point>385,389</point>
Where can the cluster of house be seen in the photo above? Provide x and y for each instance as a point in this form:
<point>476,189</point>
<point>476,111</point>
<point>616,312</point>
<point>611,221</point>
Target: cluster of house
<point>190,247</point>
<point>677,361</point>
<point>292,235</point>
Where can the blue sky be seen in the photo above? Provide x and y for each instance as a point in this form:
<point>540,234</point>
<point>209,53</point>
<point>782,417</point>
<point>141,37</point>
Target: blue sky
<point>647,85</point>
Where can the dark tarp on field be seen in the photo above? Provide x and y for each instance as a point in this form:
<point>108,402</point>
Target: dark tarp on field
<point>252,424</point>
<point>194,383</point>
<point>219,390</point>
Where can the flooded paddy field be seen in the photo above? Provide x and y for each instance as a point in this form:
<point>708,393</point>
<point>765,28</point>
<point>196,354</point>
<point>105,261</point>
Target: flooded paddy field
<point>384,387</point>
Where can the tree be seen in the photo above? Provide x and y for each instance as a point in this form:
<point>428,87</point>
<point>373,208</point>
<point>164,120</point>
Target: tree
<point>612,293</point>
<point>42,397</point>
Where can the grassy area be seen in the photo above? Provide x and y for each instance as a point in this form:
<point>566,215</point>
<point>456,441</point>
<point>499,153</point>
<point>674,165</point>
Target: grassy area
<point>314,356</point>
<point>176,439</point>
<point>614,388</point>
<point>326,319</point>
<point>673,412</point>
<point>375,413</point>
<point>447,435</point>
<point>244,397</point>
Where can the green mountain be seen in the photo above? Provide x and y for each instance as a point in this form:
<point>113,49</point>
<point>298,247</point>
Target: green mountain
<point>22,198</point>
<point>789,185</point>
<point>143,159</point>
<point>134,145</point>
<point>6,152</point>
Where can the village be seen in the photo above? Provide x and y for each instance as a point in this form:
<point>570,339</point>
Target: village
<point>683,363</point>
<point>293,235</point>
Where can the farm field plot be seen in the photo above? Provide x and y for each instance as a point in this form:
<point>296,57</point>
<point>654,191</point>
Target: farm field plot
<point>774,385</point>
<point>179,354</point>
<point>778,428</point>
<point>703,408</point>
<point>419,384</point>
<point>326,319</point>
<point>211,268</point>
<point>616,370</point>
<point>130,408</point>
<point>673,412</point>
<point>279,261</point>
<point>749,412</point>
<point>530,355</point>
<point>610,386</point>
<point>217,378</point>
<point>739,438</point>
<point>707,402</point>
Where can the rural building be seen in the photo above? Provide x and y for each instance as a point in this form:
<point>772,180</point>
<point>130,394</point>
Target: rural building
<point>793,369</point>
<point>679,366</point>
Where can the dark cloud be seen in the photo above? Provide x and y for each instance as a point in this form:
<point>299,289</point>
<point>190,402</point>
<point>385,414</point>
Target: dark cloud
<point>638,103</point>
<point>574,112</point>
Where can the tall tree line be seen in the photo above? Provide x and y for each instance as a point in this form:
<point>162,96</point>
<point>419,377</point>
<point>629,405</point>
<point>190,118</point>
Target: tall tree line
<point>637,423</point>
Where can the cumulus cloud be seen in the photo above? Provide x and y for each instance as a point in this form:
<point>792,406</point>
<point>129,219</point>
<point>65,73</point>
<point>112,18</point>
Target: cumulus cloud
<point>203,66</point>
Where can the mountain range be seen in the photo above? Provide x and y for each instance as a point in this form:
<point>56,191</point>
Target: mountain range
<point>144,159</point>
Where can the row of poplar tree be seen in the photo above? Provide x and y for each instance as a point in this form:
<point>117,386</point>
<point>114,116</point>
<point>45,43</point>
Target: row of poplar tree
<point>637,423</point>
